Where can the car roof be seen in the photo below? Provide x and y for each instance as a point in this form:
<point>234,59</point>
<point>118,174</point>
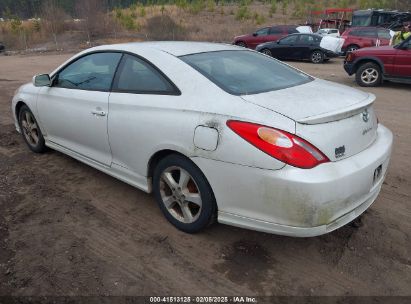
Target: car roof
<point>306,34</point>
<point>367,28</point>
<point>176,48</point>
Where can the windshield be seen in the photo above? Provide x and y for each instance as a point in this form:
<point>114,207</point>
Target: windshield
<point>245,72</point>
<point>363,19</point>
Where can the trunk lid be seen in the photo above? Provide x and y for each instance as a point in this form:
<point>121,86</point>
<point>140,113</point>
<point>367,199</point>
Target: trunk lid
<point>338,120</point>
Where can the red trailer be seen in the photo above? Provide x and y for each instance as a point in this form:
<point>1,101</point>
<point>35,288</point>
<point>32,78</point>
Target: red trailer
<point>337,18</point>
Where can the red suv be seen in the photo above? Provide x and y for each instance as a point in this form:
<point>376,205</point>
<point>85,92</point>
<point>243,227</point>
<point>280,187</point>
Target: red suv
<point>373,65</point>
<point>361,37</point>
<point>263,35</point>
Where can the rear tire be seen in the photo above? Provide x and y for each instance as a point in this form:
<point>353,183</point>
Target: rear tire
<point>242,44</point>
<point>184,194</point>
<point>369,75</point>
<point>30,130</point>
<point>317,57</point>
<point>352,48</point>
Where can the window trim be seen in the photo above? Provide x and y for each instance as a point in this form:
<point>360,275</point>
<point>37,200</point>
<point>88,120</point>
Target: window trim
<point>175,92</point>
<point>54,76</point>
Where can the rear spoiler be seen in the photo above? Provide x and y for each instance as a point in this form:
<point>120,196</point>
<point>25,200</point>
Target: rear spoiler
<point>339,114</point>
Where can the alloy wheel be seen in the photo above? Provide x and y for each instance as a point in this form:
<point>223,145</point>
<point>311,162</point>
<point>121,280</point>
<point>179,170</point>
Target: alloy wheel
<point>30,129</point>
<point>369,76</point>
<point>180,194</point>
<point>317,57</point>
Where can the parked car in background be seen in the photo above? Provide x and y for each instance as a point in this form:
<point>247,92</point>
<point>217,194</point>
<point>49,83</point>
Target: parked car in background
<point>361,37</point>
<point>297,46</point>
<point>254,143</point>
<point>2,48</point>
<point>372,66</point>
<point>329,32</point>
<point>266,34</point>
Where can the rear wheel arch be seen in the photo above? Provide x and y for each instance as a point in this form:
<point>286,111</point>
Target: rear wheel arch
<point>167,160</point>
<point>156,158</point>
<point>241,43</point>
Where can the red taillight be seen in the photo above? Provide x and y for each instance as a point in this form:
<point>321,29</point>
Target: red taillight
<point>281,145</point>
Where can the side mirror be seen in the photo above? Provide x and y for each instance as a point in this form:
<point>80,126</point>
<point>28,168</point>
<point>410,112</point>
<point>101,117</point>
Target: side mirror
<point>42,80</point>
<point>255,34</point>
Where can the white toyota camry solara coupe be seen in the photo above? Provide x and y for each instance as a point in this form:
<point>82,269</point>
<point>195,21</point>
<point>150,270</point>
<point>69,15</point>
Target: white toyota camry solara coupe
<point>216,132</point>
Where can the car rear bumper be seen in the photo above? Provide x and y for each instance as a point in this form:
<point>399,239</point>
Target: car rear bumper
<point>331,55</point>
<point>298,202</point>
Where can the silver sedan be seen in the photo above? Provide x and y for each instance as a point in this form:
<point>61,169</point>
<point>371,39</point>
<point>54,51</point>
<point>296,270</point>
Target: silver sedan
<point>216,132</point>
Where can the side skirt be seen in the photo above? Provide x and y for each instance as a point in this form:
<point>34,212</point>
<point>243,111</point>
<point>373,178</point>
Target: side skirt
<point>114,170</point>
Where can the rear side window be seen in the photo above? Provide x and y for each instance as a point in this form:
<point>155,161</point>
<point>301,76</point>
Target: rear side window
<point>92,72</point>
<point>292,30</point>
<point>364,33</point>
<point>384,34</point>
<point>275,30</point>
<point>245,72</point>
<point>137,76</point>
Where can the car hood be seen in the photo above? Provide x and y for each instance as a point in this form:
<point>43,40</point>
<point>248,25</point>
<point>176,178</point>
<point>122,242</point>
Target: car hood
<point>376,50</point>
<point>318,101</point>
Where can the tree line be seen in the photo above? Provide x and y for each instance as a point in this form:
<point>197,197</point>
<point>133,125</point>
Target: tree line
<point>33,8</point>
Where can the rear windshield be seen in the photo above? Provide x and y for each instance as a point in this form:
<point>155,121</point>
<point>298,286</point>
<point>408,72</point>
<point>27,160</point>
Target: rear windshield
<point>245,72</point>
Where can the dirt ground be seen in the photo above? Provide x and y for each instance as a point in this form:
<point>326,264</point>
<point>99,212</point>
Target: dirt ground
<point>67,229</point>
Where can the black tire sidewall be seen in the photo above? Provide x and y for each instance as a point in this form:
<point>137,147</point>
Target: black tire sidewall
<point>322,57</point>
<point>361,70</point>
<point>209,207</point>
<point>40,147</point>
<point>267,54</point>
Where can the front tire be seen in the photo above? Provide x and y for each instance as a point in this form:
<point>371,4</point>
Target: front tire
<point>183,194</point>
<point>369,75</point>
<point>30,130</point>
<point>317,57</point>
<point>267,52</point>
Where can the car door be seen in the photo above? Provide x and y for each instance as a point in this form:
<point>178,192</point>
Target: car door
<point>384,37</point>
<point>259,37</point>
<point>74,109</point>
<point>403,60</point>
<point>285,47</point>
<point>275,33</point>
<point>302,46</point>
<point>141,111</point>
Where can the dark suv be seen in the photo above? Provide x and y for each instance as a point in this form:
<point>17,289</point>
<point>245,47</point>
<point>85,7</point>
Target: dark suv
<point>265,34</point>
<point>373,65</point>
<point>361,37</point>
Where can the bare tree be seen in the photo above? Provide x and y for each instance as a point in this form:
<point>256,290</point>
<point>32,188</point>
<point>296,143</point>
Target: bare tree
<point>53,17</point>
<point>91,13</point>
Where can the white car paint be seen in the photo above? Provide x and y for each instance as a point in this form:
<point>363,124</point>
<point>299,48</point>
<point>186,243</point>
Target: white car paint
<point>252,189</point>
<point>329,32</point>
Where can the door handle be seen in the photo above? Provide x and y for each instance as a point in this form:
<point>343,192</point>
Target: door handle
<point>98,113</point>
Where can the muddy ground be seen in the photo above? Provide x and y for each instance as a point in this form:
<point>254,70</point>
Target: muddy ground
<point>67,229</point>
